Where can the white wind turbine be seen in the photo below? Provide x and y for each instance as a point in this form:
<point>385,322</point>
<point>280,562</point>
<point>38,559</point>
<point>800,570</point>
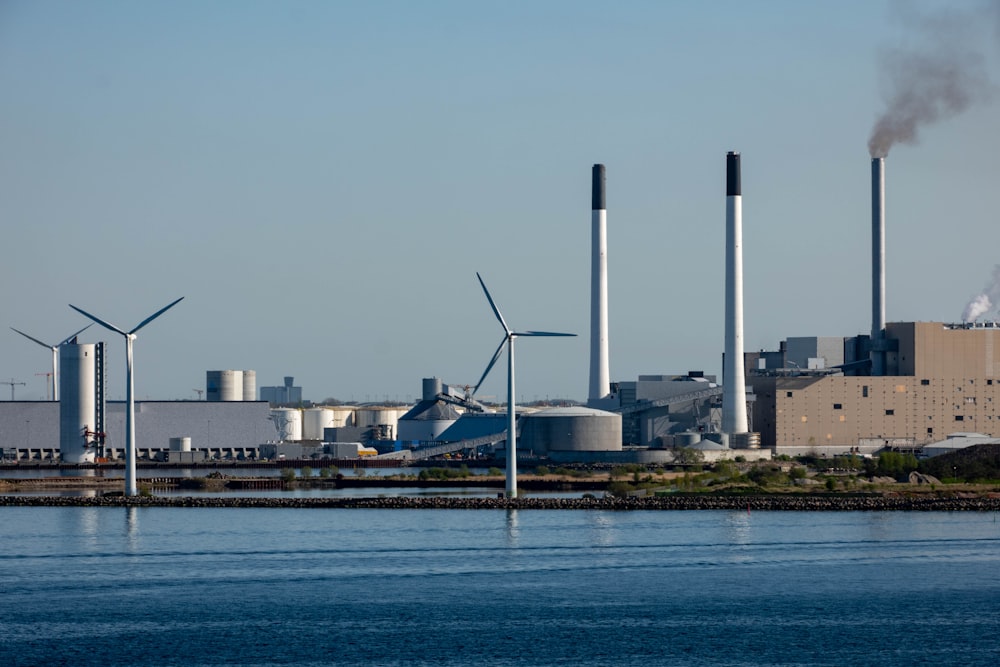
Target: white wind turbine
<point>130,485</point>
<point>55,355</point>
<point>508,341</point>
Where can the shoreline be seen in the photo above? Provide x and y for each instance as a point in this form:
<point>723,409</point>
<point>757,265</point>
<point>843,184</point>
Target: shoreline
<point>674,502</point>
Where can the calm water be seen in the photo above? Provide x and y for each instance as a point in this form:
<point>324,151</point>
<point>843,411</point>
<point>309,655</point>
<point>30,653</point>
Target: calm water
<point>168,586</point>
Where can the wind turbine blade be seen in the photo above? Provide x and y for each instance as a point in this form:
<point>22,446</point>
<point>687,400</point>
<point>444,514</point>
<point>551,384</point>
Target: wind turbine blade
<point>31,338</point>
<point>104,324</point>
<point>154,316</point>
<point>541,333</point>
<point>72,336</point>
<point>493,361</point>
<point>493,305</point>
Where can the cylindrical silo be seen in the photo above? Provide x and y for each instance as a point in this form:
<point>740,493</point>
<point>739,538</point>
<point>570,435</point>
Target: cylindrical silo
<point>314,420</point>
<point>249,385</point>
<point>432,387</point>
<point>288,422</point>
<point>180,444</point>
<point>574,429</point>
<point>77,404</point>
<point>224,385</point>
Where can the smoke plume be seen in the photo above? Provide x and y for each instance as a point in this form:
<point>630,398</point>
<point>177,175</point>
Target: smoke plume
<point>939,73</point>
<point>983,302</point>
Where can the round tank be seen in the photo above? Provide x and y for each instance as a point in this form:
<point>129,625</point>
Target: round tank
<point>249,385</point>
<point>574,429</point>
<point>342,416</point>
<point>288,423</point>
<point>314,420</point>
<point>432,387</point>
<point>365,417</point>
<point>224,385</point>
<point>77,404</point>
<point>180,444</point>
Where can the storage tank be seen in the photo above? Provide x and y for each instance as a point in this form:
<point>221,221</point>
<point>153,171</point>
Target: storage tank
<point>249,385</point>
<point>288,423</point>
<point>572,429</point>
<point>384,419</point>
<point>224,385</point>
<point>180,444</point>
<point>314,420</point>
<point>77,404</point>
<point>343,415</point>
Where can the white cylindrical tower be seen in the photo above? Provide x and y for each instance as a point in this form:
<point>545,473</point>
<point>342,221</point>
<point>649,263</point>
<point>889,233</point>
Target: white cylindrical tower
<point>734,399</point>
<point>314,420</point>
<point>249,385</point>
<point>878,265</point>
<point>288,422</point>
<point>600,374</point>
<point>77,407</point>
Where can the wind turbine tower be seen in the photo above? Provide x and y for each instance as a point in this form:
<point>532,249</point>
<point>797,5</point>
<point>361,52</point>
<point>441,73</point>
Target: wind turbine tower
<point>55,349</point>
<point>130,483</point>
<point>508,342</point>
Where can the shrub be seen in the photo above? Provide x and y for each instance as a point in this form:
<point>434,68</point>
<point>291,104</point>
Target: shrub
<point>328,472</point>
<point>306,471</point>
<point>494,472</point>
<point>541,471</point>
<point>287,475</point>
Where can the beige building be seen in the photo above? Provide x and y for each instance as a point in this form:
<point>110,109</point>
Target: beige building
<point>944,378</point>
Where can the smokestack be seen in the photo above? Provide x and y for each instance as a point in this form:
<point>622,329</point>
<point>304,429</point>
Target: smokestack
<point>734,395</point>
<point>878,266</point>
<point>600,375</point>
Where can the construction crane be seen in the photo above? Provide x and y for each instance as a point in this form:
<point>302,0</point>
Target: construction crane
<point>199,392</point>
<point>47,376</point>
<point>12,383</point>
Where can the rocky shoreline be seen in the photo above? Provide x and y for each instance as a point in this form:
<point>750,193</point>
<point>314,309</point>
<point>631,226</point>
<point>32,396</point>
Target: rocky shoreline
<point>749,503</point>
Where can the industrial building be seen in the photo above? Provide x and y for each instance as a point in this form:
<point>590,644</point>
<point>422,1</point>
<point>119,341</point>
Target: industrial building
<point>939,378</point>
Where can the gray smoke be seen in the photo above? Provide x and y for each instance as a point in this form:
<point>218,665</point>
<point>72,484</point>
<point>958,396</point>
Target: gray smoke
<point>983,302</point>
<point>938,73</point>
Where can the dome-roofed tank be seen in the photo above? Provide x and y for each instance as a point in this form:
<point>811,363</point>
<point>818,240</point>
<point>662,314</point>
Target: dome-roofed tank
<point>571,429</point>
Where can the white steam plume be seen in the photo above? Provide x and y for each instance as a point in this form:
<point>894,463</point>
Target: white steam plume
<point>983,302</point>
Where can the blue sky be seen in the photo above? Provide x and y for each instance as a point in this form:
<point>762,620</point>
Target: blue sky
<point>322,180</point>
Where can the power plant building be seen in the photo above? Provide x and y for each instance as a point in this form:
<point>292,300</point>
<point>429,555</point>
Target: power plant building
<point>939,379</point>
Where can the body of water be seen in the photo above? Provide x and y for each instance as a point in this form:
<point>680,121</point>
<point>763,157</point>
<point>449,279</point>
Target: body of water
<point>170,586</point>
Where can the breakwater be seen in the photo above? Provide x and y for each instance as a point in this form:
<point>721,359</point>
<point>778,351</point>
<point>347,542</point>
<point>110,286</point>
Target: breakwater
<point>776,502</point>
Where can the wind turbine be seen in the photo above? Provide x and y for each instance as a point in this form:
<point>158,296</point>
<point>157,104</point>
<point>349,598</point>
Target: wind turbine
<point>55,350</point>
<point>130,485</point>
<point>508,340</point>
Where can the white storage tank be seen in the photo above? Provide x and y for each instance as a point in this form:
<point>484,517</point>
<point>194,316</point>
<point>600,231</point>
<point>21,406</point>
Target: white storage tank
<point>386,419</point>
<point>314,420</point>
<point>180,444</point>
<point>288,423</point>
<point>77,404</point>
<point>343,415</point>
<point>249,385</point>
<point>574,429</point>
<point>224,385</point>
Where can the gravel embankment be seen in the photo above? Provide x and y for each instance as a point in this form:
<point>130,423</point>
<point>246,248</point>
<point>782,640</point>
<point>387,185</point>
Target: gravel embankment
<point>804,503</point>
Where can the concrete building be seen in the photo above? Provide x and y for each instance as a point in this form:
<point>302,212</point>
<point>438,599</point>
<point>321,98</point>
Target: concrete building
<point>939,378</point>
<point>286,394</point>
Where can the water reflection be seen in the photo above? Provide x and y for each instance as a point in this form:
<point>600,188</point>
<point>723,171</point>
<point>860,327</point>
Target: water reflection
<point>132,529</point>
<point>513,528</point>
<point>602,526</point>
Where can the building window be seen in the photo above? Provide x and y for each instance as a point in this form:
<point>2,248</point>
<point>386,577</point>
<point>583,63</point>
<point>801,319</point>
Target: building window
<point>929,430</point>
<point>864,391</point>
<point>989,382</point>
<point>788,394</point>
<point>925,382</point>
<point>890,412</point>
<point>838,406</point>
<point>960,418</point>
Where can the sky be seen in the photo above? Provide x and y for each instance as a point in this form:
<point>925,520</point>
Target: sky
<point>321,181</point>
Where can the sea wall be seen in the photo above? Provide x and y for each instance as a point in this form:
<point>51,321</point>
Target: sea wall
<point>784,503</point>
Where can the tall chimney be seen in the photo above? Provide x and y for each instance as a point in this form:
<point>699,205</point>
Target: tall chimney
<point>600,375</point>
<point>734,398</point>
<point>878,266</point>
